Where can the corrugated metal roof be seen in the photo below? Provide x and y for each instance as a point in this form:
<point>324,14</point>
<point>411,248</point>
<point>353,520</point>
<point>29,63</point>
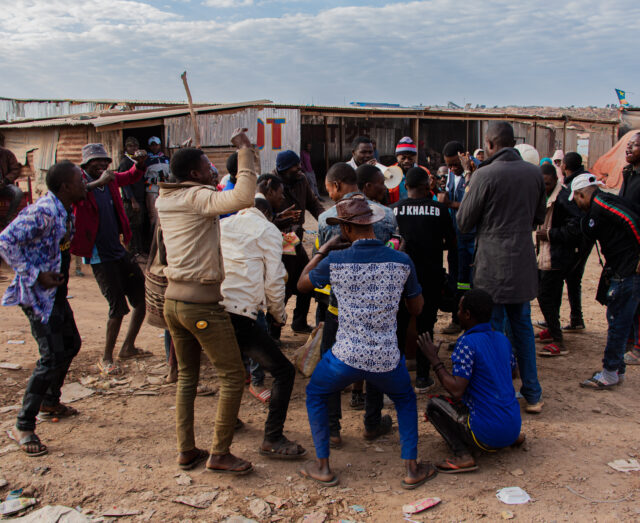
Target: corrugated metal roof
<point>150,115</point>
<point>100,120</point>
<point>103,101</point>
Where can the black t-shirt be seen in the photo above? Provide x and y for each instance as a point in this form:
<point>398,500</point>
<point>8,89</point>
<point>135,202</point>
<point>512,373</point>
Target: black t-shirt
<point>427,229</point>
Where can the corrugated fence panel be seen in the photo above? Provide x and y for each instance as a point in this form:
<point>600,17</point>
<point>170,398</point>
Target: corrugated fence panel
<point>271,129</point>
<point>70,143</point>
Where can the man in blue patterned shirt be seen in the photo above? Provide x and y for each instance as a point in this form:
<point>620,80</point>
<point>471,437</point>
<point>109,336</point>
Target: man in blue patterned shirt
<point>369,280</point>
<point>36,246</point>
<point>484,413</point>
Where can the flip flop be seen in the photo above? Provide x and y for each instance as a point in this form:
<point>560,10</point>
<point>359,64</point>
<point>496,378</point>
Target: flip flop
<point>264,396</point>
<point>331,483</point>
<point>412,486</point>
<point>109,369</point>
<point>31,438</point>
<point>446,467</point>
<point>551,350</point>
<point>137,355</point>
<point>276,452</point>
<point>206,390</point>
<point>201,455</point>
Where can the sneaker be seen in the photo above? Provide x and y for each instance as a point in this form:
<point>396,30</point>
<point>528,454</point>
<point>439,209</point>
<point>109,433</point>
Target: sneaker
<point>357,400</point>
<point>632,357</point>
<point>423,385</point>
<point>534,408</point>
<point>544,336</point>
<point>574,327</point>
<point>452,328</point>
<point>540,324</point>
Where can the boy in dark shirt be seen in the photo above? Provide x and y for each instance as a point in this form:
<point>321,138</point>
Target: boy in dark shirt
<point>427,230</point>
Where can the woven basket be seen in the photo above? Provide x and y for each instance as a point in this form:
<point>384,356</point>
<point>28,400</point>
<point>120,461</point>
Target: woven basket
<point>155,283</point>
<point>154,289</point>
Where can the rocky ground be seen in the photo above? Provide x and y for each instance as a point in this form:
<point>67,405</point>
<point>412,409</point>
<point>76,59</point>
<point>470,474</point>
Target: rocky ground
<point>119,453</point>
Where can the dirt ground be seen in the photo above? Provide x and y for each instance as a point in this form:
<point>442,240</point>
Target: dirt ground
<point>120,450</point>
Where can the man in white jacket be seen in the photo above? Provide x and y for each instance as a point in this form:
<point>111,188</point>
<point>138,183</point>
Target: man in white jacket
<point>255,280</point>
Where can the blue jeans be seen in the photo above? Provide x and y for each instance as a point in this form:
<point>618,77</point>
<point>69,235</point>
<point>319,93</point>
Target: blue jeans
<point>622,301</point>
<point>332,375</point>
<point>514,320</point>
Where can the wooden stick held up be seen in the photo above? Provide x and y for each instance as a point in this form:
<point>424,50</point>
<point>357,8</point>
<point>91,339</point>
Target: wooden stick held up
<point>194,122</point>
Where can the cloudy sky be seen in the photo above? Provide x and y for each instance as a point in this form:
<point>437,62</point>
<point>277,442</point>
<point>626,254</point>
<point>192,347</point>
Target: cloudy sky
<point>322,52</point>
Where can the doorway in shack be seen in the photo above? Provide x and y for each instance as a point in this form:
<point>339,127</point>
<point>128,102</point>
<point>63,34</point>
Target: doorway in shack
<point>142,134</point>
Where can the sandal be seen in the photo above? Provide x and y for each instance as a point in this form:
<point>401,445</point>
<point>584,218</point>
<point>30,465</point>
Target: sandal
<point>553,350</point>
<point>544,336</point>
<point>109,369</point>
<point>432,472</point>
<point>632,358</point>
<point>233,471</point>
<point>596,382</point>
<point>448,467</point>
<point>331,483</point>
<point>136,354</point>
<point>280,450</point>
<point>264,396</point>
<point>59,411</point>
<point>205,390</point>
<point>201,455</point>
<point>31,439</point>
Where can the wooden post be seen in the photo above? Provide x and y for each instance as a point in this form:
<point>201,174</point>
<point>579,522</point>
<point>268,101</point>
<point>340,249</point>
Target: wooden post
<point>535,134</point>
<point>341,138</point>
<point>416,132</point>
<point>564,134</point>
<point>326,146</point>
<point>194,122</point>
<point>466,143</point>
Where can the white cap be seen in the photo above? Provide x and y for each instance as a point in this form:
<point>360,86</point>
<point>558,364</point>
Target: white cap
<point>475,153</point>
<point>583,180</point>
<point>154,139</point>
<point>529,153</point>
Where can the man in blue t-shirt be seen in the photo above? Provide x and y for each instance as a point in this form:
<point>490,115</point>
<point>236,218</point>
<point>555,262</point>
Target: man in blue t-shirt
<point>484,413</point>
<point>369,280</point>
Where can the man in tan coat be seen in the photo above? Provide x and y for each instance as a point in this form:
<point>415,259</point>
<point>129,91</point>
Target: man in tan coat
<point>189,213</point>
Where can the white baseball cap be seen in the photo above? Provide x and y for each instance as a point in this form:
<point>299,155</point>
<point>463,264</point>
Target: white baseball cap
<point>583,180</point>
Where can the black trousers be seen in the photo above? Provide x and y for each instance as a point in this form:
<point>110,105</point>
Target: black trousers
<point>255,343</point>
<point>450,420</point>
<point>294,266</point>
<point>574,289</point>
<point>550,288</point>
<point>137,223</point>
<point>424,323</point>
<point>58,343</point>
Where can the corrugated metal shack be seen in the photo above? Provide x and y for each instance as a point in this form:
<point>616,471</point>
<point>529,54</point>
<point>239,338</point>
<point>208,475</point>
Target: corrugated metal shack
<point>38,143</point>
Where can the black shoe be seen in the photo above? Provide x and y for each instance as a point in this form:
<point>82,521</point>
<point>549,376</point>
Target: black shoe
<point>380,430</point>
<point>574,327</point>
<point>423,385</point>
<point>302,329</point>
<point>357,400</point>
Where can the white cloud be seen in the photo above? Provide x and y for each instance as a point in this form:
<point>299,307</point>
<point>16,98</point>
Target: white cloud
<point>228,3</point>
<point>417,52</point>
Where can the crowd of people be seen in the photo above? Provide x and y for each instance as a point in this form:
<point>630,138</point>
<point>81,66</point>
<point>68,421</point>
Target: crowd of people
<point>232,254</point>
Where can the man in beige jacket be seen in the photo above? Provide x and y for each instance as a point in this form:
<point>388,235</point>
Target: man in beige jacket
<point>189,213</point>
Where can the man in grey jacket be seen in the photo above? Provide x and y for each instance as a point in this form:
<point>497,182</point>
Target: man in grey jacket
<point>505,201</point>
